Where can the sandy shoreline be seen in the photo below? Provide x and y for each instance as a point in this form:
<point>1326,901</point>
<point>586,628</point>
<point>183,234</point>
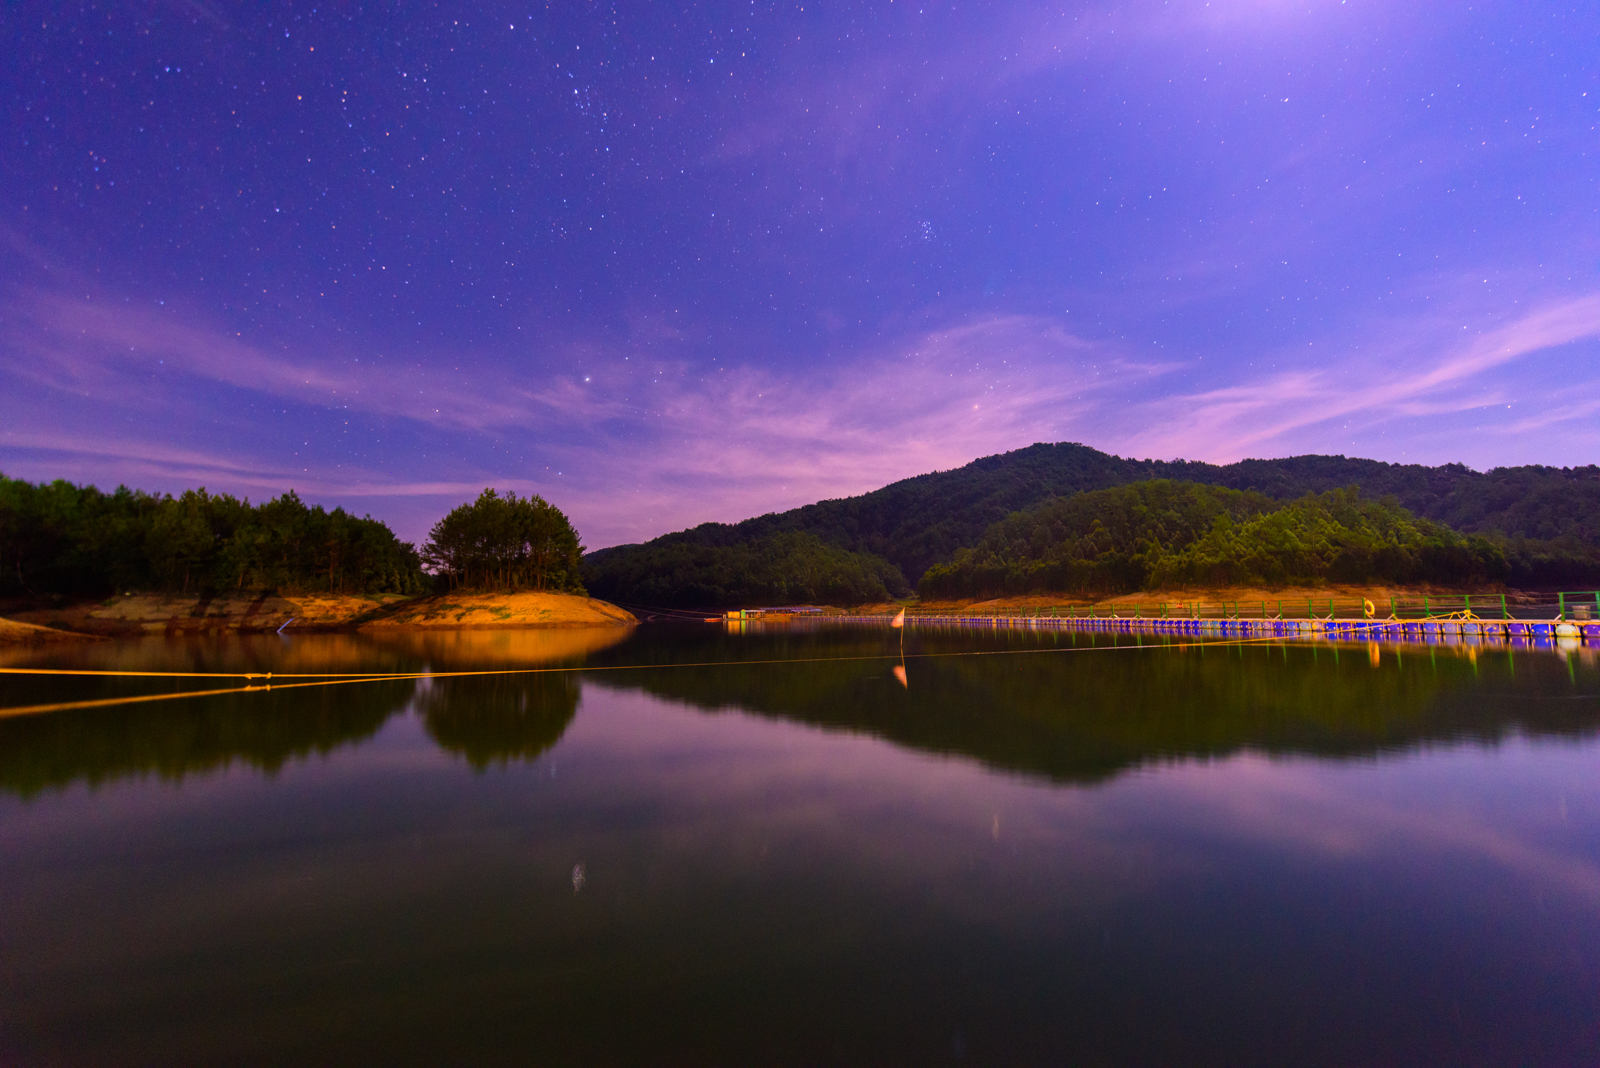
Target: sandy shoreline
<point>136,614</point>
<point>497,611</point>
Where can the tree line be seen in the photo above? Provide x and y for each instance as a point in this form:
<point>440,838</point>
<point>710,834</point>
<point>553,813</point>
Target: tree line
<point>61,539</point>
<point>785,568</point>
<point>1162,534</point>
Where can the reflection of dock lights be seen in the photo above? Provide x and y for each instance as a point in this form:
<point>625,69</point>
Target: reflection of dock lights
<point>899,623</point>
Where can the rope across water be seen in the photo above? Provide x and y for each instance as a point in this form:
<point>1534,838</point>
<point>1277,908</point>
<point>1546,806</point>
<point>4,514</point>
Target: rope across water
<point>338,679</point>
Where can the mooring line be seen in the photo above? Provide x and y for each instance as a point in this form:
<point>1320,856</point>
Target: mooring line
<point>104,702</point>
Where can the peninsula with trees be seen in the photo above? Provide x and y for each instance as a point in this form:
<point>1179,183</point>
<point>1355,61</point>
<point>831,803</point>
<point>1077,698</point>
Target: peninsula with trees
<point>126,562</point>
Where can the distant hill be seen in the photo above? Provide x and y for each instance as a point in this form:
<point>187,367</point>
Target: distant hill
<point>1547,517</point>
<point>1162,534</point>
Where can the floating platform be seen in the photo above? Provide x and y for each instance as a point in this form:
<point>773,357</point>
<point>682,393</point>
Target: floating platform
<point>1547,633</point>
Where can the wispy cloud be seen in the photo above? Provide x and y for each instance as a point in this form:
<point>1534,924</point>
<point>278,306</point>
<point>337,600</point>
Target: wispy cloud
<point>1415,371</point>
<point>643,445</point>
<point>748,440</point>
<point>637,447</point>
<point>101,346</point>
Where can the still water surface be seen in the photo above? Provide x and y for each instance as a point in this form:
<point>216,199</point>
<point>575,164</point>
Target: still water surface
<point>1248,855</point>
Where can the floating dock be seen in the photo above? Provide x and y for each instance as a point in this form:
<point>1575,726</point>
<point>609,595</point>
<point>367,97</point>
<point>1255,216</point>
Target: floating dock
<point>1513,632</point>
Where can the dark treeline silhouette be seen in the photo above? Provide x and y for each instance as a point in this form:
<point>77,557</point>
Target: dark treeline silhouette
<point>1161,533</point>
<point>59,538</point>
<point>787,568</point>
<point>506,543</point>
<point>1545,520</point>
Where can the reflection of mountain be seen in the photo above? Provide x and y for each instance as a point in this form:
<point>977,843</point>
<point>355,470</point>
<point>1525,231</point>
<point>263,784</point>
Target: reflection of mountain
<point>1073,716</point>
<point>1088,715</point>
<point>498,718</point>
<point>186,737</point>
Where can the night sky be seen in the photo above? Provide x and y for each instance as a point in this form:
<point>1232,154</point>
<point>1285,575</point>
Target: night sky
<point>664,263</point>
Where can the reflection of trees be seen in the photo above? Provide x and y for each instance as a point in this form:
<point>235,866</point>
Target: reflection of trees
<point>1086,716</point>
<point>185,737</point>
<point>499,718</point>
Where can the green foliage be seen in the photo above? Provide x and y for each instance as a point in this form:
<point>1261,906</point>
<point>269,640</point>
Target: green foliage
<point>506,543</point>
<point>783,568</point>
<point>1164,533</point>
<point>58,538</point>
<point>1546,520</point>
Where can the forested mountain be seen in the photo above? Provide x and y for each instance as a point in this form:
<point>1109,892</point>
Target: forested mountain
<point>1546,519</point>
<point>1160,533</point>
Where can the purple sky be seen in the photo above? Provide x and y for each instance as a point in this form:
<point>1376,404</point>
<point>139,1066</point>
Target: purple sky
<point>665,265</point>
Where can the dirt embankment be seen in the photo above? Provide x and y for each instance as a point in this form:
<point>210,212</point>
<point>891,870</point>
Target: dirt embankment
<point>136,614</point>
<point>14,633</point>
<point>496,610</point>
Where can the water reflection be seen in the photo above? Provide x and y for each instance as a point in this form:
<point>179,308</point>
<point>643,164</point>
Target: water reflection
<point>173,740</point>
<point>1085,715</point>
<point>1069,708</point>
<point>466,649</point>
<point>488,719</point>
<point>494,719</point>
<point>699,887</point>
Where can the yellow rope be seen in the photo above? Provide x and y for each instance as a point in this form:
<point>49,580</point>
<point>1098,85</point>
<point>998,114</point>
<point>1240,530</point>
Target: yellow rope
<point>64,706</point>
<point>335,680</point>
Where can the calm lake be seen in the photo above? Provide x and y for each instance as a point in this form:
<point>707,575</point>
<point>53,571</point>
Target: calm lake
<point>1067,852</point>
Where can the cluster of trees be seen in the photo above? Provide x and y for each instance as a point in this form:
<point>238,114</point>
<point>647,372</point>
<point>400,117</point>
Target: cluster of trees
<point>59,538</point>
<point>1546,520</point>
<point>1163,533</point>
<point>63,539</point>
<point>506,543</point>
<point>783,568</point>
